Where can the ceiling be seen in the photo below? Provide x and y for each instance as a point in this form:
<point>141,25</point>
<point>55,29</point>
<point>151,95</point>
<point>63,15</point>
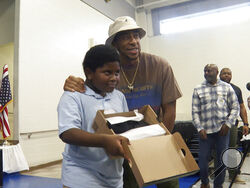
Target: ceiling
<point>150,4</point>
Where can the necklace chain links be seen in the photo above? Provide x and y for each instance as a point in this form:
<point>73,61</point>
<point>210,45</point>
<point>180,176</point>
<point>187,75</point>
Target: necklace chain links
<point>131,84</point>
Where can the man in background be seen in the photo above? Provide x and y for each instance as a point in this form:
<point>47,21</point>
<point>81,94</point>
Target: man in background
<point>248,99</point>
<point>214,110</point>
<point>226,76</point>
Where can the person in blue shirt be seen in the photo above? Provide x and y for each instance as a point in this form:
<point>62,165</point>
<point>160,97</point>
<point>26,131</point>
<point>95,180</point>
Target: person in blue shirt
<point>86,161</point>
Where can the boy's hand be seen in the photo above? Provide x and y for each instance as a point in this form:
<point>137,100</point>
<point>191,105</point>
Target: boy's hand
<point>74,84</point>
<point>113,145</point>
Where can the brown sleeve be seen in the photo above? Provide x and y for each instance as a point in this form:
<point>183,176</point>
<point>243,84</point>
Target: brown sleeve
<point>170,87</point>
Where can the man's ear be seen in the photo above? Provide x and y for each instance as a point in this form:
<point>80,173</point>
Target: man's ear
<point>114,44</point>
<point>88,73</point>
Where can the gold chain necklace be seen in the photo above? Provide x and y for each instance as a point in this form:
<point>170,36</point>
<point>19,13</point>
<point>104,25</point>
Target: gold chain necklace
<point>131,84</point>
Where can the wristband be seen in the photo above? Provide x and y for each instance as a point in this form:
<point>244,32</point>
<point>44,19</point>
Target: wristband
<point>246,124</point>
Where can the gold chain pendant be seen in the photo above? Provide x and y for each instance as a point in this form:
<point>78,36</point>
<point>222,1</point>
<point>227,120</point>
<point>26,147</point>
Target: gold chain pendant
<point>130,87</point>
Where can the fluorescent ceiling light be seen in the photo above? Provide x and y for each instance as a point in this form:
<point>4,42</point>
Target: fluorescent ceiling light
<point>218,17</point>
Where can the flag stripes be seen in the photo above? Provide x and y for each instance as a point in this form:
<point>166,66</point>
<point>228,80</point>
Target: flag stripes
<point>4,122</point>
<point>5,99</point>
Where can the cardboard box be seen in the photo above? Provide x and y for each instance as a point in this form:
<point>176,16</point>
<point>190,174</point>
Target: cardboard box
<point>154,159</point>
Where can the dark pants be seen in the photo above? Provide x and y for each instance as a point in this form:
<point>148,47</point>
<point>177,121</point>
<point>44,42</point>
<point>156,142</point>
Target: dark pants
<point>130,181</point>
<point>221,144</point>
<point>233,144</point>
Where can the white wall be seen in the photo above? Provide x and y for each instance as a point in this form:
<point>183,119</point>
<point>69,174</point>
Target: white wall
<point>6,57</point>
<point>53,38</point>
<point>189,52</point>
<point>7,12</point>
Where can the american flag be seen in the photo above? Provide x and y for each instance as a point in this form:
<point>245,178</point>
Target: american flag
<point>5,99</point>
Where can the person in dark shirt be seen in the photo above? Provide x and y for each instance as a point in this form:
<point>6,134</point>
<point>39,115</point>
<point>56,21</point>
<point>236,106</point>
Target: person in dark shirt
<point>248,99</point>
<point>226,76</point>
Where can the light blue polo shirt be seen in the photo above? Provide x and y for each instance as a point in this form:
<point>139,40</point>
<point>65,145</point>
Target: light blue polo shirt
<point>88,166</point>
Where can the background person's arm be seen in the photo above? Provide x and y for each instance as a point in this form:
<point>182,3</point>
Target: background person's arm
<point>248,102</point>
<point>234,107</point>
<point>169,113</point>
<point>243,115</point>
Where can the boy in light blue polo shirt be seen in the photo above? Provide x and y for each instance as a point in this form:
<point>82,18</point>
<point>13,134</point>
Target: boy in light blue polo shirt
<point>85,160</point>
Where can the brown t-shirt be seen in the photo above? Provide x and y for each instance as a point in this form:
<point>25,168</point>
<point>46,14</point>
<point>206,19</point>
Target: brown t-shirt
<point>154,84</point>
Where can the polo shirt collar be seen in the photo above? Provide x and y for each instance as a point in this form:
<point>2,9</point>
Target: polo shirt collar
<point>91,92</point>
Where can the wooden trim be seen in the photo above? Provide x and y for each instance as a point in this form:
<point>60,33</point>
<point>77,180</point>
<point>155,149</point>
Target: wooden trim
<point>33,168</point>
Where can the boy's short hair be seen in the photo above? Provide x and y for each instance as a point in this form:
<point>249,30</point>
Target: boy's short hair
<point>99,55</point>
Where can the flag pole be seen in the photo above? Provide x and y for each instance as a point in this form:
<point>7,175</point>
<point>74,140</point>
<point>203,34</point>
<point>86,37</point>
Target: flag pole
<point>5,99</point>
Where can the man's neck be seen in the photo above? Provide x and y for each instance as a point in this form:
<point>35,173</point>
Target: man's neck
<point>213,82</point>
<point>129,64</point>
<point>226,81</point>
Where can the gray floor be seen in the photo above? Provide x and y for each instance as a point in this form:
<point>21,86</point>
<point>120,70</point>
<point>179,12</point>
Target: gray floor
<point>51,171</point>
<point>54,171</point>
<point>244,169</point>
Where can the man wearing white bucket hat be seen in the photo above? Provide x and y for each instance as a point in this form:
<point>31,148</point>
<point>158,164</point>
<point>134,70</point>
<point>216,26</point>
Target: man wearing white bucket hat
<point>145,79</point>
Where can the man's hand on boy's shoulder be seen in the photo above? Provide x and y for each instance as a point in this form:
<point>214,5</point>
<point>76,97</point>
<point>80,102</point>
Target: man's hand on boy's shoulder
<point>73,83</point>
<point>113,145</point>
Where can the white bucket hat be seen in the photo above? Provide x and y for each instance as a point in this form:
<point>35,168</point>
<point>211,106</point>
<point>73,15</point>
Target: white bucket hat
<point>123,23</point>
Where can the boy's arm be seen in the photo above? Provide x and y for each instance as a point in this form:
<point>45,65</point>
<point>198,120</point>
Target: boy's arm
<point>111,143</point>
<point>73,83</point>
